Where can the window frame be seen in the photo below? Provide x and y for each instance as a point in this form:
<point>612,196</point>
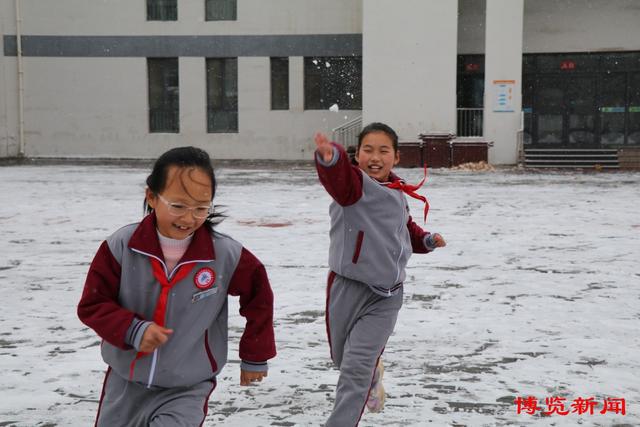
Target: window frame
<point>232,17</point>
<point>169,113</point>
<point>232,112</point>
<point>173,4</point>
<point>280,79</point>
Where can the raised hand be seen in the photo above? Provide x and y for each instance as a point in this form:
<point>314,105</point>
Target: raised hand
<point>248,377</point>
<point>154,336</point>
<point>324,147</point>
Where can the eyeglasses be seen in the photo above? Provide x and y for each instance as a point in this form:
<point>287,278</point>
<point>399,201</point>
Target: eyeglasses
<point>178,209</point>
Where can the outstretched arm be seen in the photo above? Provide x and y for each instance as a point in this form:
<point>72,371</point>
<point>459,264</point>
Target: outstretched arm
<point>341,179</point>
<point>422,241</point>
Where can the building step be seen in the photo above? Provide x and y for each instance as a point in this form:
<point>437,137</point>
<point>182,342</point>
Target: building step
<point>571,158</point>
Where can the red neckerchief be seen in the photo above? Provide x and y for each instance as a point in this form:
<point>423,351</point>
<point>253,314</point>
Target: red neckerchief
<point>410,190</point>
<point>161,305</point>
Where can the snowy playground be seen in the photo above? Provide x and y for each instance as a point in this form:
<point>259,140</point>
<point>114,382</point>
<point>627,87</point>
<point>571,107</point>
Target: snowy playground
<point>537,294</point>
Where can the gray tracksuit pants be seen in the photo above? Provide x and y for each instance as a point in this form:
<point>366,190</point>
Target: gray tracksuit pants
<point>359,323</point>
<point>125,403</point>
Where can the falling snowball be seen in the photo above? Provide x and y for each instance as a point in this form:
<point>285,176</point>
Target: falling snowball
<point>334,108</point>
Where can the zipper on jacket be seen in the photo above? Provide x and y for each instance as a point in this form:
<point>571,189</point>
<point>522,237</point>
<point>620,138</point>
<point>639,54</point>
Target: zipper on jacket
<point>154,360</point>
<point>152,370</point>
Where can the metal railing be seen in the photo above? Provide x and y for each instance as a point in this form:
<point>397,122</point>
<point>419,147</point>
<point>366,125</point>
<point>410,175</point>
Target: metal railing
<point>470,121</point>
<point>164,121</point>
<point>347,133</point>
<point>224,121</point>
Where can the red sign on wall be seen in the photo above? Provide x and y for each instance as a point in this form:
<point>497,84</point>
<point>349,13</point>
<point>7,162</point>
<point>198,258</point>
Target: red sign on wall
<point>568,65</point>
<point>472,67</point>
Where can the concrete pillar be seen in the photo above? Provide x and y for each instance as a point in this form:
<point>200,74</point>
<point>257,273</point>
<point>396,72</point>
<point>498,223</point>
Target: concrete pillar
<point>503,78</point>
<point>409,65</point>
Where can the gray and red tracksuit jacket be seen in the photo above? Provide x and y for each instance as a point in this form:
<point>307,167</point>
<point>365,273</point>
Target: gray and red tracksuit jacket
<point>372,234</point>
<point>128,286</point>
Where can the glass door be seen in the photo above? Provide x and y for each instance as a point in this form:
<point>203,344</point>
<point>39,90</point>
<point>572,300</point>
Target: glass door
<point>565,109</point>
<point>634,109</point>
<point>550,111</point>
<point>580,111</point>
<point>612,109</point>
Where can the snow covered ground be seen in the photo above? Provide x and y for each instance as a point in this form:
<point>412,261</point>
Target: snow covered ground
<point>536,294</point>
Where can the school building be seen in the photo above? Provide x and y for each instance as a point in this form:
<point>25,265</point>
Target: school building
<point>254,79</point>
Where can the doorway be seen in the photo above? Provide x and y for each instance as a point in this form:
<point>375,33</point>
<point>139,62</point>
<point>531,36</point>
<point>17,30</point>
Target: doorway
<point>565,111</point>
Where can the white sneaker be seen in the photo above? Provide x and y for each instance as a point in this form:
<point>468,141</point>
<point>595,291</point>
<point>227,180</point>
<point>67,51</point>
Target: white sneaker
<point>375,401</point>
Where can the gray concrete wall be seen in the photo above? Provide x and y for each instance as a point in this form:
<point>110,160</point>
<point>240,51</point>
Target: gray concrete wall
<point>4,88</point>
<point>409,65</point>
<point>98,106</point>
<point>8,87</point>
<point>471,26</point>
<point>560,26</point>
<point>581,25</point>
<point>503,63</point>
<point>113,17</point>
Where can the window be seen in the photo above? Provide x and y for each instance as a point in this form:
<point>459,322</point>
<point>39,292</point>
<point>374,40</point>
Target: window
<point>221,10</point>
<point>528,63</point>
<point>164,110</point>
<point>616,61</point>
<point>612,108</point>
<point>333,80</point>
<point>634,109</point>
<point>162,10</point>
<point>222,95</point>
<point>279,83</point>
<point>471,91</point>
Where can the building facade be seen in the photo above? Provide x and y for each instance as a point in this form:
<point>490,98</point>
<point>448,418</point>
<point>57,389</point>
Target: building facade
<point>254,79</point>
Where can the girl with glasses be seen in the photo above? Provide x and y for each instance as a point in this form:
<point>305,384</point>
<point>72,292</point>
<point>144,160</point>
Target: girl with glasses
<point>156,293</point>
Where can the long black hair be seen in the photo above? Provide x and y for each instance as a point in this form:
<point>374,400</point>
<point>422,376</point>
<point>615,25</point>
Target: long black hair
<point>378,127</point>
<point>182,157</point>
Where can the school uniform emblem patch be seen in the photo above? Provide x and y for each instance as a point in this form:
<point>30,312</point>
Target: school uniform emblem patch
<point>204,278</point>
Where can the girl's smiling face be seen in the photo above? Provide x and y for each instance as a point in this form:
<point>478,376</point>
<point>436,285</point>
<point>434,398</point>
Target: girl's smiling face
<point>186,186</point>
<point>376,155</point>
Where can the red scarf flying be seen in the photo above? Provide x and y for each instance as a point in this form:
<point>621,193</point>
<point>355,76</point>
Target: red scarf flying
<point>410,190</point>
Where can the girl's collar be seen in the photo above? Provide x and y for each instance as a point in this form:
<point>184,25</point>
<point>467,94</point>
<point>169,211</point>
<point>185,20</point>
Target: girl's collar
<point>145,239</point>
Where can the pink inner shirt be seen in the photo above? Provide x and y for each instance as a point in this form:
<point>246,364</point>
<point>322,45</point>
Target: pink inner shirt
<point>173,249</point>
